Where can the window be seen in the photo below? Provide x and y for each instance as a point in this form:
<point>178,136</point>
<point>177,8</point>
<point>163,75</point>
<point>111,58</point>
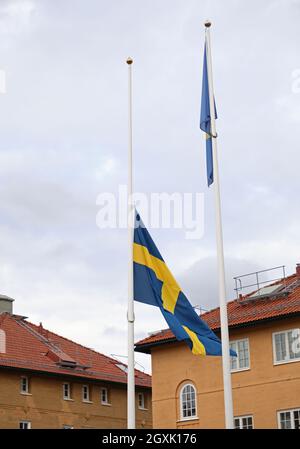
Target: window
<point>188,407</point>
<point>25,425</point>
<point>104,396</point>
<point>286,346</point>
<point>24,385</point>
<point>289,419</point>
<point>242,361</point>
<point>243,422</point>
<point>86,393</point>
<point>66,391</point>
<point>141,401</point>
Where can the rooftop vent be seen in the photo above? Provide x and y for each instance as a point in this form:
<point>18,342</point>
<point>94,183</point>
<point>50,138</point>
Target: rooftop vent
<point>6,304</point>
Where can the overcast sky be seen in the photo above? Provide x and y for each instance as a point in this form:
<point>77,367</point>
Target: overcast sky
<point>63,140</point>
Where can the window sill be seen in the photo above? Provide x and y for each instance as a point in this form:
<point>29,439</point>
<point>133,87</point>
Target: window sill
<point>194,418</point>
<point>284,362</point>
<point>106,404</point>
<point>68,399</point>
<point>25,394</point>
<point>238,370</point>
<point>87,402</point>
<point>144,409</point>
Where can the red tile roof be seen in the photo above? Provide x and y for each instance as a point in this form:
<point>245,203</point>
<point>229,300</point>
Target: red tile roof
<point>241,312</point>
<point>34,348</point>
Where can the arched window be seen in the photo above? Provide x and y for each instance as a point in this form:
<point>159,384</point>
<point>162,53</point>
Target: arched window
<point>188,405</point>
<point>188,399</point>
<point>2,342</point>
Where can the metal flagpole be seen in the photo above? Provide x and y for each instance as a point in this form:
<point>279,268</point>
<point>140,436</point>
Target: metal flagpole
<point>220,252</point>
<point>130,311</point>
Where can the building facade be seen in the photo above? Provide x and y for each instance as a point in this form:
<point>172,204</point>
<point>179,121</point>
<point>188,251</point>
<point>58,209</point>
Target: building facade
<point>187,391</point>
<point>50,382</point>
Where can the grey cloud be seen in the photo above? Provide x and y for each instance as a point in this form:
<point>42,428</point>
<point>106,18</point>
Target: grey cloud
<point>65,115</point>
<point>200,281</point>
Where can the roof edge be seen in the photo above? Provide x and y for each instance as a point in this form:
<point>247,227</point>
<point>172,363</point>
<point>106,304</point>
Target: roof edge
<point>146,347</point>
<point>69,376</point>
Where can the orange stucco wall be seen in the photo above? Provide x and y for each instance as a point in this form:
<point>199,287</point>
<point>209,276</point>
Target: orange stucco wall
<point>260,391</point>
<point>46,408</point>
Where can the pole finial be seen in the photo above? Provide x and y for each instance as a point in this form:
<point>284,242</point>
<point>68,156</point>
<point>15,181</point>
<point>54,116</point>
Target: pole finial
<point>129,61</point>
<point>207,23</point>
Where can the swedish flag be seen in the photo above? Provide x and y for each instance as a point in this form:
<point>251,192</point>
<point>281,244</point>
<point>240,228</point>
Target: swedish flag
<point>205,121</point>
<point>154,284</point>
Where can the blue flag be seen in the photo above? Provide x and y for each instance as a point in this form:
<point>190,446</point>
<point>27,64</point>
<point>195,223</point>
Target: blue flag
<point>205,123</point>
<point>155,285</point>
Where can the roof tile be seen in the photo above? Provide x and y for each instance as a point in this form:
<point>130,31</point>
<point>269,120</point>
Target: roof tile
<point>32,347</point>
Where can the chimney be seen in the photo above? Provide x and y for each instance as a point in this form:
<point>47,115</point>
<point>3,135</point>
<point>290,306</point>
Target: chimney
<point>298,270</point>
<point>6,304</point>
<point>43,331</point>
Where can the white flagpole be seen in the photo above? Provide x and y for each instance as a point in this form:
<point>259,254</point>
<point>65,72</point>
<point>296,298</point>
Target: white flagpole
<point>130,311</point>
<point>220,252</point>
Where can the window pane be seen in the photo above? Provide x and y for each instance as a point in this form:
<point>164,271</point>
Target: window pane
<point>141,400</point>
<point>24,384</point>
<point>243,354</point>
<point>247,422</point>
<point>280,347</point>
<point>104,395</point>
<point>85,393</point>
<point>285,420</point>
<point>297,419</point>
<point>66,391</point>
<point>241,347</point>
<point>236,423</point>
<point>293,340</point>
<point>243,422</point>
<point>188,402</point>
<point>233,360</point>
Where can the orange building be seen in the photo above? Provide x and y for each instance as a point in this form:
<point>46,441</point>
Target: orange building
<point>47,381</point>
<point>264,328</point>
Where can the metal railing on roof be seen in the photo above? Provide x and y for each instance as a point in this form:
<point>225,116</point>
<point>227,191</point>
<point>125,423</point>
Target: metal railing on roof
<point>258,285</point>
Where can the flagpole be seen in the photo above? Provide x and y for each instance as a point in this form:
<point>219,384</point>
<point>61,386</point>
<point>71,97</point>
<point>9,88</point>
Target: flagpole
<point>220,252</point>
<point>130,311</point>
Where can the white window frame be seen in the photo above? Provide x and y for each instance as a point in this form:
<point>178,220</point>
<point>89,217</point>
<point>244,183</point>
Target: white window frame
<point>292,417</point>
<point>240,418</point>
<point>142,403</point>
<point>26,391</point>
<point>67,397</point>
<point>106,402</point>
<point>27,423</point>
<point>88,400</point>
<point>238,369</point>
<point>187,418</point>
<point>286,360</point>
